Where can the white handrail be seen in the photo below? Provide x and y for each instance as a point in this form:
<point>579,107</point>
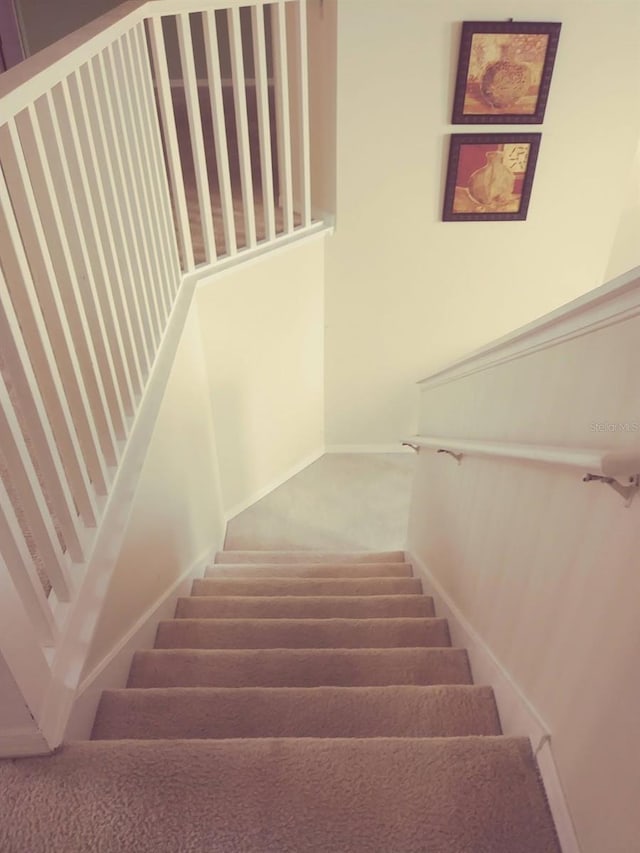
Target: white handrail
<point>605,463</point>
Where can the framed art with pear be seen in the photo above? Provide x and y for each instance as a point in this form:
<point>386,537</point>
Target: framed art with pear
<point>504,72</point>
<point>489,176</point>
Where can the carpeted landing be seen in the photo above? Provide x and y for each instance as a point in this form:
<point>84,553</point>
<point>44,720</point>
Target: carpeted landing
<point>298,703</point>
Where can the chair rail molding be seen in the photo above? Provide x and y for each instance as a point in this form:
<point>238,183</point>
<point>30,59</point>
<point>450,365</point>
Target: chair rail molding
<point>607,305</point>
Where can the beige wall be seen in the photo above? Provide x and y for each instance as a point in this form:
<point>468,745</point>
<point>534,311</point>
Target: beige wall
<point>545,567</point>
<point>625,254</point>
<point>407,292</point>
<point>42,21</point>
<point>262,330</point>
<point>176,518</point>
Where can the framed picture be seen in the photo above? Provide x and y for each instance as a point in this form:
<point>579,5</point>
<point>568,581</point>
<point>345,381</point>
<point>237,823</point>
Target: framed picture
<point>489,176</point>
<point>504,72</point>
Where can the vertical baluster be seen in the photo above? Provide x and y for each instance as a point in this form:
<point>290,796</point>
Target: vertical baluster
<point>242,123</point>
<point>84,312</point>
<point>88,177</point>
<point>145,204</point>
<point>138,284</point>
<point>65,125</point>
<point>97,265</point>
<point>264,125</point>
<point>16,563</point>
<point>23,477</point>
<point>160,181</point>
<point>304,154</point>
<point>214,75</point>
<point>145,158</point>
<point>162,176</point>
<point>283,118</point>
<point>195,134</point>
<point>130,310</point>
<point>45,367</point>
<point>95,179</point>
<point>16,362</point>
<point>96,437</point>
<point>133,159</point>
<point>171,141</point>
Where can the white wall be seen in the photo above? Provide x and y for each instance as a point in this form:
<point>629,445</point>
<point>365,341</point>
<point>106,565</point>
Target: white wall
<point>625,253</point>
<point>177,515</point>
<point>407,292</point>
<point>544,566</point>
<point>262,331</point>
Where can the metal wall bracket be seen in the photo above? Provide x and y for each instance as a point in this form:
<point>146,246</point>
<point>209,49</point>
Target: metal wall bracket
<point>627,492</point>
<point>456,456</point>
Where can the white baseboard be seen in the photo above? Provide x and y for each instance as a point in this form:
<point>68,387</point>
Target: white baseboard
<point>517,715</point>
<point>367,448</point>
<point>274,484</point>
<point>112,671</point>
<point>22,742</point>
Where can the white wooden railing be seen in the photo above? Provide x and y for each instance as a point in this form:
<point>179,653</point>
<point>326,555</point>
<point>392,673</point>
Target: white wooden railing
<point>122,182</point>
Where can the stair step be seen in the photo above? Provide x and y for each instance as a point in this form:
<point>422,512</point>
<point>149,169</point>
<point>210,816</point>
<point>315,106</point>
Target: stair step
<point>299,607</point>
<point>253,712</point>
<point>301,633</point>
<point>405,795</point>
<point>307,586</point>
<point>314,570</point>
<point>298,667</point>
<point>309,557</point>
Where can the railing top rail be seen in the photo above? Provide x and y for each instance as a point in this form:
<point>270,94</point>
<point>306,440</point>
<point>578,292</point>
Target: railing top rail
<point>607,463</point>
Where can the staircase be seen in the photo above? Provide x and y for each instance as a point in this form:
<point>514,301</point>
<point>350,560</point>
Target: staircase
<point>299,701</point>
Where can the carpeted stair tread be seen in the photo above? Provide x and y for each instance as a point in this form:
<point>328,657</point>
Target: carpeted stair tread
<point>299,701</point>
<point>298,667</point>
<point>301,633</point>
<point>309,557</point>
<point>362,795</point>
<point>312,570</point>
<point>251,712</point>
<point>299,607</point>
<point>307,586</point>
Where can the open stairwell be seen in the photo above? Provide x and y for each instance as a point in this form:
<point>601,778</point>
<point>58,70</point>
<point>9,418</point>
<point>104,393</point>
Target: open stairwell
<point>300,701</point>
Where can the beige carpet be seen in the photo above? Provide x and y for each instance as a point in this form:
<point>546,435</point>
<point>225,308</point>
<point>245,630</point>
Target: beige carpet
<point>298,703</point>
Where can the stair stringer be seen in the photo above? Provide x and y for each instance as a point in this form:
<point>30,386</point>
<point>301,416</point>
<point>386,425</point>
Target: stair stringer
<point>86,608</point>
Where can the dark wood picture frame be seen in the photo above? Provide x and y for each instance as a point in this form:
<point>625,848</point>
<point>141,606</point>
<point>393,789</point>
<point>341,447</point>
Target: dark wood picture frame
<point>504,72</point>
<point>490,176</point>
